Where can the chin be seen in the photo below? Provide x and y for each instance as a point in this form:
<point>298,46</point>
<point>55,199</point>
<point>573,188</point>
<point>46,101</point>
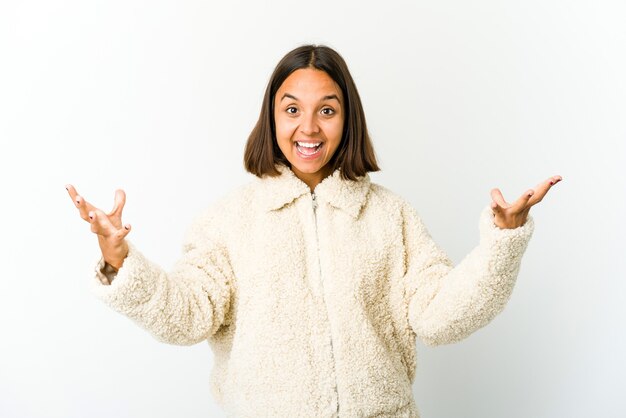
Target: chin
<point>309,168</point>
<point>306,169</point>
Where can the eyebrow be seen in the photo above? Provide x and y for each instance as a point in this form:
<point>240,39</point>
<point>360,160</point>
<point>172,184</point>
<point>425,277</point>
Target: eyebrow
<point>329,97</point>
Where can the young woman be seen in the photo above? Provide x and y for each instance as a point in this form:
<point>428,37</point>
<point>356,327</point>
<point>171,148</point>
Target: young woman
<point>311,282</point>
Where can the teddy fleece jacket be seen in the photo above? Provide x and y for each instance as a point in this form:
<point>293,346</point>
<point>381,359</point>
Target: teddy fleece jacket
<point>312,302</point>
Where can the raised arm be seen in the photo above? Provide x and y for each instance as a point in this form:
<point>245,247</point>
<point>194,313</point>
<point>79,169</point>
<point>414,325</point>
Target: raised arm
<point>448,303</point>
<point>183,306</point>
<point>108,227</point>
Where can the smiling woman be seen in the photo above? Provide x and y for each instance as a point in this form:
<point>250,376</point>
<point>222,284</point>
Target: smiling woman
<point>311,283</point>
<point>309,123</point>
<point>311,99</point>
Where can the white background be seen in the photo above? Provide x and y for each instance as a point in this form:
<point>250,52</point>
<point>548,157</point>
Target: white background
<point>158,98</point>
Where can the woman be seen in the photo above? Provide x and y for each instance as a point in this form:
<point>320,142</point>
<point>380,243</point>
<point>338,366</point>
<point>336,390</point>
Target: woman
<point>311,283</point>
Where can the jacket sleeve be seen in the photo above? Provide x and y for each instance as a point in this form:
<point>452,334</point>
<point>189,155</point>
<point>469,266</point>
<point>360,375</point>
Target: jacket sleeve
<point>447,303</point>
<point>183,306</point>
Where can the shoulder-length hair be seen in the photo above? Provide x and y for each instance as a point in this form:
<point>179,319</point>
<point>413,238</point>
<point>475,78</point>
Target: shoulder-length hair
<point>355,154</point>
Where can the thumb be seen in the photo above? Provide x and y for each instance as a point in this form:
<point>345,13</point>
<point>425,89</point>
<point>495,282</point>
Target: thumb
<point>119,202</point>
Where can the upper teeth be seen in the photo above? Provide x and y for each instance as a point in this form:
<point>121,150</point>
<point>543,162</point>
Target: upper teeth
<point>307,144</point>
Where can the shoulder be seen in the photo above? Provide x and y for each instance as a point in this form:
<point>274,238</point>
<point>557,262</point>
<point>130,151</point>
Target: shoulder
<point>387,199</point>
<point>222,214</point>
<point>387,204</point>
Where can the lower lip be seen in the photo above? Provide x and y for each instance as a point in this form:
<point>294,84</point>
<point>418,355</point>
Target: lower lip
<point>309,157</point>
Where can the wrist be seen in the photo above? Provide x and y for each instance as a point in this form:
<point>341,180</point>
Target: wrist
<point>115,256</point>
<point>111,268</point>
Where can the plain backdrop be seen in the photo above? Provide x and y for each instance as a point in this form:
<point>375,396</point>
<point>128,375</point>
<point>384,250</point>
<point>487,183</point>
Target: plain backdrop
<point>158,98</point>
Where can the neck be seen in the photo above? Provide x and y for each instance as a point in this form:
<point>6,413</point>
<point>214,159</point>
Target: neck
<point>312,179</point>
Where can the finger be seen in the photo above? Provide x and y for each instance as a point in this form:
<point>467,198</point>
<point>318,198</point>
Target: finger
<point>84,207</point>
<point>92,218</point>
<point>543,188</point>
<point>555,179</point>
<point>100,223</point>
<point>122,232</point>
<point>120,201</point>
<point>497,197</point>
<point>76,198</point>
<point>496,208</point>
<point>520,204</point>
<point>72,192</point>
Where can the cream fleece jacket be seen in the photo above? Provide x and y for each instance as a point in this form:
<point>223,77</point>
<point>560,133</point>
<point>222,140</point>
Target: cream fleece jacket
<point>311,302</point>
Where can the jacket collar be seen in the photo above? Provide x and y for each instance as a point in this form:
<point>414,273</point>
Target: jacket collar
<point>347,195</point>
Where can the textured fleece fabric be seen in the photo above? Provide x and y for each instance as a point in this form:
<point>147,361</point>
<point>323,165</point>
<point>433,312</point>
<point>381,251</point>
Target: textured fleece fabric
<point>315,312</point>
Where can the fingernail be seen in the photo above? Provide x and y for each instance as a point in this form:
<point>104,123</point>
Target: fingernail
<point>126,228</point>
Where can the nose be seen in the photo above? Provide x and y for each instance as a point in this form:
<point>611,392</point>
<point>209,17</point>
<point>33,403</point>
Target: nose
<point>309,125</point>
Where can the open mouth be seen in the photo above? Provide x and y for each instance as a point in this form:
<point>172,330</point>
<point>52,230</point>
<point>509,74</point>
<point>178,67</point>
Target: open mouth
<point>308,149</point>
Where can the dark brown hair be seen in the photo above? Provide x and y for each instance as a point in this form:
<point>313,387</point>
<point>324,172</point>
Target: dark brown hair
<point>355,154</point>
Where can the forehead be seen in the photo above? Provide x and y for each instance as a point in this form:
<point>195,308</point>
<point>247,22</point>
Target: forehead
<point>308,83</point>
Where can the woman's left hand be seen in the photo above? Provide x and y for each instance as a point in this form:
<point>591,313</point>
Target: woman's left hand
<point>508,216</point>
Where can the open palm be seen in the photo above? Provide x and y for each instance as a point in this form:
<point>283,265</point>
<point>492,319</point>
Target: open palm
<point>507,216</point>
<point>108,226</point>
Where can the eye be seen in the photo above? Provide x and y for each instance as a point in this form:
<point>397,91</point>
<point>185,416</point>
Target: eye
<point>328,111</point>
<point>291,110</point>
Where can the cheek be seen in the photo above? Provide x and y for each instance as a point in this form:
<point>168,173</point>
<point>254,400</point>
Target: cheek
<point>284,128</point>
<point>336,131</point>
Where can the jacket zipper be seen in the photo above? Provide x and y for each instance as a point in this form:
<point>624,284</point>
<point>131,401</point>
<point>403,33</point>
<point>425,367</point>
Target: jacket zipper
<point>319,263</point>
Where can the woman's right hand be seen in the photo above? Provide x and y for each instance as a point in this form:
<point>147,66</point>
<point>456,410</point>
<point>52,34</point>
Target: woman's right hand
<point>108,226</point>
